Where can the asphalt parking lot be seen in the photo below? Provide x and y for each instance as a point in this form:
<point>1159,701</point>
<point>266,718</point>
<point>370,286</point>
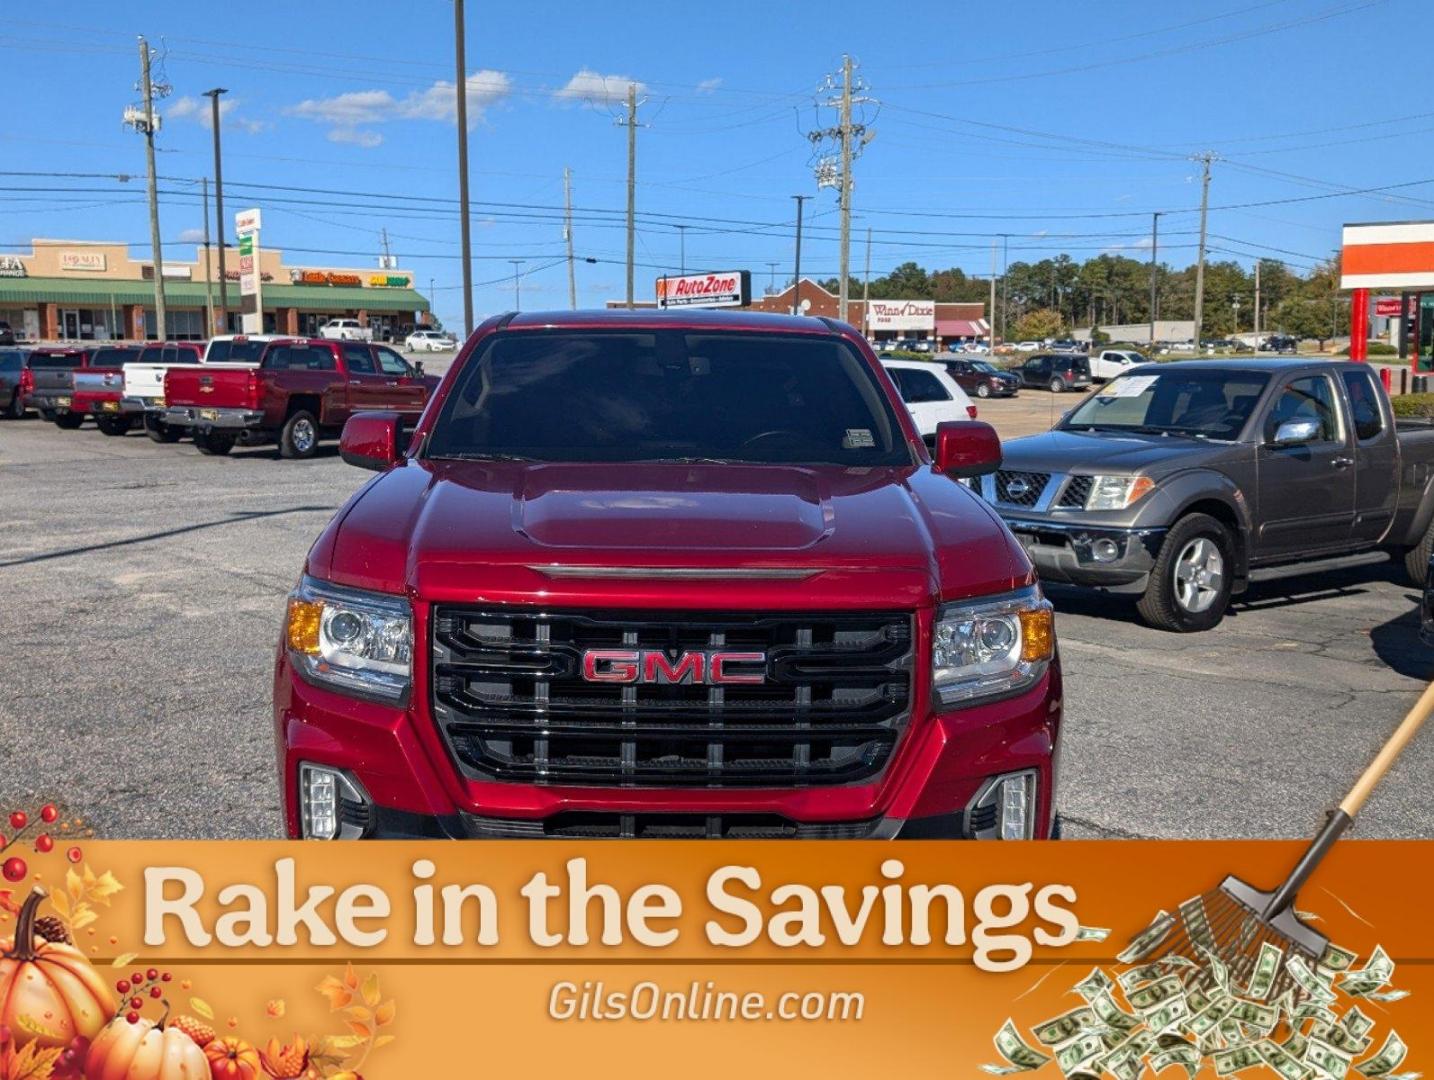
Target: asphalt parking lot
<point>144,585</point>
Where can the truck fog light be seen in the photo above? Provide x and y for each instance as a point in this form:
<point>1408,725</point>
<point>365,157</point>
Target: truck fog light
<point>332,806</point>
<point>1105,550</point>
<point>1004,808</point>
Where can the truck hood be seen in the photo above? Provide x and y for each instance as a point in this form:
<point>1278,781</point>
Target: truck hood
<point>516,531</point>
<point>1092,452</point>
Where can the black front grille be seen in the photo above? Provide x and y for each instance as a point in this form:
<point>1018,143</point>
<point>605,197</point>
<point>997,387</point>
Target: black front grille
<point>511,701</point>
<point>1020,488</point>
<point>1076,492</point>
<point>585,825</point>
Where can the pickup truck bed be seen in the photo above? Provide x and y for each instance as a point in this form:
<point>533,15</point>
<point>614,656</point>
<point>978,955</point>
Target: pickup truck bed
<point>53,384</point>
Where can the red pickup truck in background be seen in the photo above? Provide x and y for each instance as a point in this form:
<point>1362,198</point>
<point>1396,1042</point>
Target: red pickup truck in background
<point>302,390</point>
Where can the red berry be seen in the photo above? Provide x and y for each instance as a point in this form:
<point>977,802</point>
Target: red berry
<point>155,992</point>
<point>74,854</point>
<point>165,977</point>
<point>14,869</point>
<point>4,842</point>
<point>137,978</point>
<point>19,819</point>
<point>48,813</point>
<point>132,1017</point>
<point>44,844</point>
<point>122,986</point>
<point>136,1003</point>
<point>152,974</point>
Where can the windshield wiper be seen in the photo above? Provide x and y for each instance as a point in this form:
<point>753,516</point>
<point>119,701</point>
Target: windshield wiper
<point>466,455</point>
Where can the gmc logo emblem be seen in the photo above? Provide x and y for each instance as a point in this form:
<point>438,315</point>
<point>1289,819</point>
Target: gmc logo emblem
<point>656,666</point>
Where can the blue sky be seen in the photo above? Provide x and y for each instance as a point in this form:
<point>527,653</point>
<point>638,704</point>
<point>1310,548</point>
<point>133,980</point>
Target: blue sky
<point>1061,125</point>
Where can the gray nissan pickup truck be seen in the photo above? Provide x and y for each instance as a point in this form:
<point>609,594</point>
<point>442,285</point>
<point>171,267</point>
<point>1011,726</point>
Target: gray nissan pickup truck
<point>1180,483</point>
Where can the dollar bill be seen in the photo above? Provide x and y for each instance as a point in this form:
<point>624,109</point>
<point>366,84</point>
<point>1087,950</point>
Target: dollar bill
<point>1149,939</point>
<point>1151,996</point>
<point>1112,1015</point>
<point>1063,1028</point>
<point>1339,1037</point>
<point>1375,974</point>
<point>1092,933</point>
<point>1262,1017</point>
<point>1235,1059</point>
<point>1217,969</point>
<point>1197,999</point>
<point>1018,1054</point>
<point>1355,1022</point>
<point>1168,1015</point>
<point>1308,981</point>
<point>1071,1057</point>
<point>1185,1055</point>
<point>1094,984</point>
<point>1387,995</point>
<point>1282,1061</point>
<point>1197,923</point>
<point>1336,959</point>
<point>1391,1055</point>
<point>1327,1059</point>
<point>1144,973</point>
<point>1267,966</point>
<point>1295,1044</point>
<point>1209,1019</point>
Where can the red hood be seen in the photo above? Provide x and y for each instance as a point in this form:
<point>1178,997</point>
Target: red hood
<point>518,532</point>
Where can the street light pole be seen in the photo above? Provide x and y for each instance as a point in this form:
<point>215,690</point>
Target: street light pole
<point>517,288</point>
<point>682,241</point>
<point>223,313</point>
<point>1154,245</point>
<point>464,225</point>
<point>797,269</point>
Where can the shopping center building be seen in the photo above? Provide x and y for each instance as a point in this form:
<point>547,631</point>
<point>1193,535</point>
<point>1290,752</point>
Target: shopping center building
<point>79,290</point>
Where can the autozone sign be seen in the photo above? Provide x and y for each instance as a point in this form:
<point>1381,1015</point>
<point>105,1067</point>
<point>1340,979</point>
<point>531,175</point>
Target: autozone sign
<point>727,288</point>
<point>902,315</point>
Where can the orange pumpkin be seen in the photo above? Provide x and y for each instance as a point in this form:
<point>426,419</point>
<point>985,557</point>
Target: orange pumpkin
<point>49,993</point>
<point>144,1051</point>
<point>231,1058</point>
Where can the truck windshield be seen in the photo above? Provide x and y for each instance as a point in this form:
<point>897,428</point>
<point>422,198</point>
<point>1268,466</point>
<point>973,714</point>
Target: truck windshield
<point>1204,404</point>
<point>234,352</point>
<point>669,395</point>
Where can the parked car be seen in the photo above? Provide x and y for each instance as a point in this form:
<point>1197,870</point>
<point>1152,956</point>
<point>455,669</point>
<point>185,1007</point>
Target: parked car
<point>1027,346</point>
<point>1056,372</point>
<point>1108,363</point>
<point>345,330</point>
<point>143,396</point>
<point>14,382</point>
<point>52,383</point>
<point>99,389</point>
<point>929,394</point>
<point>1068,345</point>
<point>982,378</point>
<point>1181,483</point>
<point>1280,343</point>
<point>427,341</point>
<point>7,335</point>
<point>710,553</point>
<point>300,391</point>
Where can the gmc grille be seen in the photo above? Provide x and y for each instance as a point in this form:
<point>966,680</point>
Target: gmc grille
<point>510,700</point>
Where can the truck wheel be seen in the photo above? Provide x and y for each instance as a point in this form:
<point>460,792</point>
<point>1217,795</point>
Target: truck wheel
<point>983,391</point>
<point>212,443</point>
<point>1416,559</point>
<point>161,432</point>
<point>68,421</point>
<point>114,425</point>
<point>1190,583</point>
<point>16,409</point>
<point>1058,385</point>
<point>300,437</point>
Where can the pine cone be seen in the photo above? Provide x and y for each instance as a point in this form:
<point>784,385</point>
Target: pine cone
<point>52,929</point>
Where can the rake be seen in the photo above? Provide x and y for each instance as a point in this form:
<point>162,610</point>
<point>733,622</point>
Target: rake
<point>1233,921</point>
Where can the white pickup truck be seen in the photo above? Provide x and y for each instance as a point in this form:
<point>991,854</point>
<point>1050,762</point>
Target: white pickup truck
<point>144,380</point>
<point>1109,363</point>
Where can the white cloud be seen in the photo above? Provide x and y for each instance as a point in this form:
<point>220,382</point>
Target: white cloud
<point>707,86</point>
<point>591,88</point>
<point>347,112</point>
<point>201,112</point>
<point>191,236</point>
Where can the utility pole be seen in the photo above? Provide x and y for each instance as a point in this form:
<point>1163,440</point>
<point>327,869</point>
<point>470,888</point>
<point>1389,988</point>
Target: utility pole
<point>1257,303</point>
<point>146,123</point>
<point>866,287</point>
<point>465,235</point>
<point>844,199</point>
<point>568,236</point>
<point>1154,247</point>
<point>1005,285</point>
<point>797,269</point>
<point>517,288</point>
<point>991,322</point>
<point>631,184</point>
<point>223,321</point>
<point>850,138</point>
<point>208,277</point>
<point>1206,158</point>
<point>772,278</point>
<point>387,254</point>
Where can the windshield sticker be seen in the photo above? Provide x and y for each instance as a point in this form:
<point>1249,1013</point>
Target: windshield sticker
<point>857,439</point>
<point>1130,386</point>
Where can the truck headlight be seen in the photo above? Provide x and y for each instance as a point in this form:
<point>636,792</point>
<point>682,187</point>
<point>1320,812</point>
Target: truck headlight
<point>1117,492</point>
<point>354,641</point>
<point>991,646</point>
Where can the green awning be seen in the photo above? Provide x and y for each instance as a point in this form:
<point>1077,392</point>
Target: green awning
<point>101,292</point>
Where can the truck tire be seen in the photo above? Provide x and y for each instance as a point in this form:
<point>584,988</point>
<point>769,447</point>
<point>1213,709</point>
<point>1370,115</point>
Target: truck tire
<point>161,432</point>
<point>68,421</point>
<point>16,409</point>
<point>1416,559</point>
<point>1190,583</point>
<point>114,425</point>
<point>300,437</point>
<point>1058,385</point>
<point>212,443</point>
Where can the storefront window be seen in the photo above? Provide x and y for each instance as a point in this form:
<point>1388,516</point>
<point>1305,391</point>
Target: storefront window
<point>1425,360</point>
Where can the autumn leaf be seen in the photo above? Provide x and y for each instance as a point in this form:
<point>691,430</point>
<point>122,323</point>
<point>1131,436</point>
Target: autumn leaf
<point>102,888</point>
<point>351,979</point>
<point>33,1063</point>
<point>84,915</point>
<point>74,885</point>
<point>202,1007</point>
<point>334,1045</point>
<point>371,994</point>
<point>276,1008</point>
<point>123,960</point>
<point>383,1040</point>
<point>359,1013</point>
<point>61,903</point>
<point>363,1031</point>
<point>384,1014</point>
<point>337,993</point>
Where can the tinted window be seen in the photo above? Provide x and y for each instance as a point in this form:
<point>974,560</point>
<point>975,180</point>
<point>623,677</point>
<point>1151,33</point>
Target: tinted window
<point>56,359</point>
<point>299,358</point>
<point>235,352</point>
<point>1363,404</point>
<point>10,360</point>
<point>918,387</point>
<point>390,363</point>
<point>1310,398</point>
<point>1212,404</point>
<point>113,357</point>
<point>152,354</point>
<point>669,395</point>
<point>359,359</point>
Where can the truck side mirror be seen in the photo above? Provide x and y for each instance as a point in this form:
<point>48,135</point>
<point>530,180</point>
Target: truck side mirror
<point>373,440</point>
<point>967,448</point>
<point>1296,433</point>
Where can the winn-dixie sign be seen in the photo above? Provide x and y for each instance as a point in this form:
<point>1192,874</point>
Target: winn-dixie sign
<point>902,315</point>
<point>728,288</point>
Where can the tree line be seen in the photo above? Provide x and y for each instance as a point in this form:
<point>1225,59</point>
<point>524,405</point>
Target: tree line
<point>1058,294</point>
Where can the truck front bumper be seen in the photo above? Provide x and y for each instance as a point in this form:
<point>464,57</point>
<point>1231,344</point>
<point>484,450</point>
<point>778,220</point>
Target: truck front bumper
<point>395,780</point>
<point>191,416</point>
<point>1097,556</point>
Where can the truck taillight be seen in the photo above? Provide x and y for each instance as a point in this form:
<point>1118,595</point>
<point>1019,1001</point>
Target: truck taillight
<point>27,381</point>
<point>253,377</point>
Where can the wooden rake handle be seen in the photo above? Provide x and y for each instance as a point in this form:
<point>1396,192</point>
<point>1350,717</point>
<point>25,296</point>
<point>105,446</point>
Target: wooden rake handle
<point>1370,778</point>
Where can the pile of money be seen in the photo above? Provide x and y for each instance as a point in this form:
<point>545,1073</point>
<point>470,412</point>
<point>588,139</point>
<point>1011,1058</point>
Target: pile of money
<point>1187,1007</point>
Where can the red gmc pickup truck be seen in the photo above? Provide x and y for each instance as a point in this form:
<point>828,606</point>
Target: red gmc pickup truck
<point>648,574</point>
<point>302,389</point>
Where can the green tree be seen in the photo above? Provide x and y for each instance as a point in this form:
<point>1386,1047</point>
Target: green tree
<point>1039,324</point>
